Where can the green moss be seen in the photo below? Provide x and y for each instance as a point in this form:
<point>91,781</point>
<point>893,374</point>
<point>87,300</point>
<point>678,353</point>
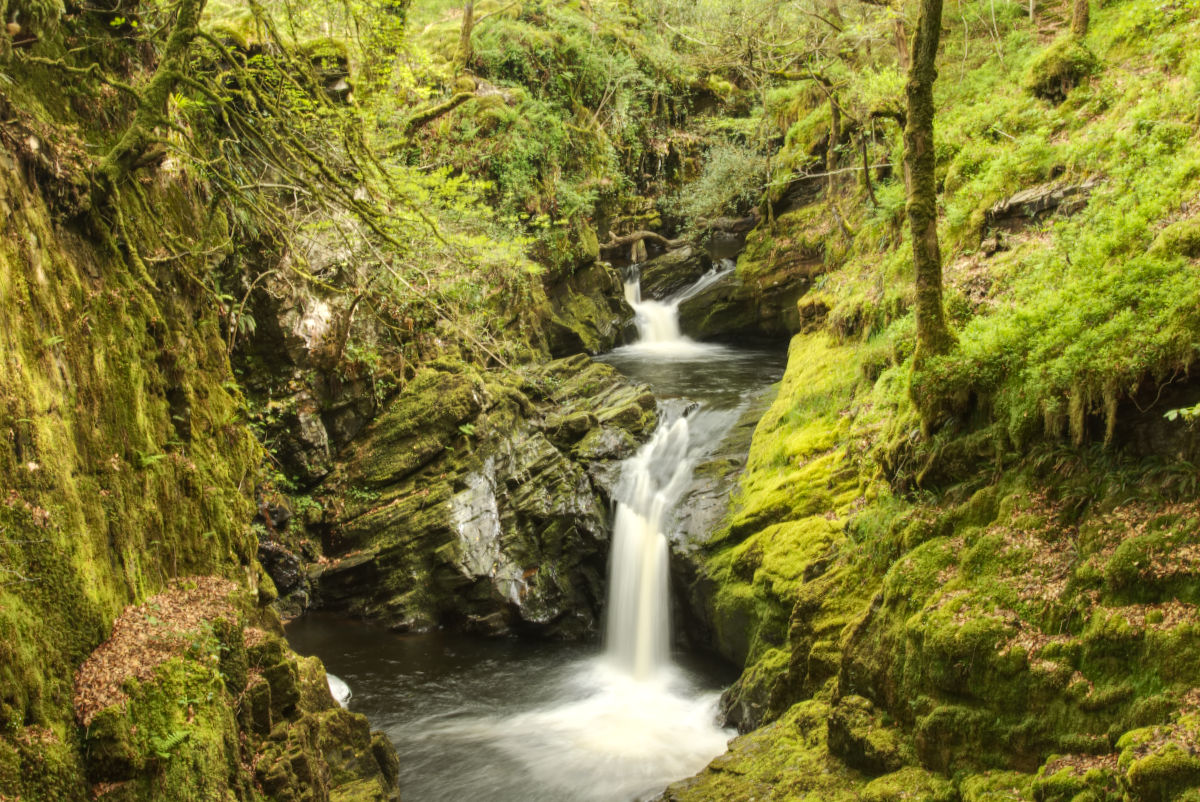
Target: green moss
<point>1157,762</point>
<point>108,499</point>
<point>909,783</point>
<point>858,736</point>
<point>786,760</point>
<point>997,786</point>
<point>1180,238</point>
<point>1059,68</point>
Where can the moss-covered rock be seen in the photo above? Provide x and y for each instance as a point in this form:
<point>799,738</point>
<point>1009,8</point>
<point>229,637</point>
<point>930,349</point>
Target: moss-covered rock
<point>480,503</point>
<point>588,311</point>
<point>672,271</point>
<point>1060,68</point>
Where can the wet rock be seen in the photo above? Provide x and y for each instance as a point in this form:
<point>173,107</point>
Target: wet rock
<point>589,312</point>
<point>733,308</point>
<point>284,567</point>
<point>700,512</point>
<point>665,275</point>
<point>566,429</point>
<point>1028,205</point>
<point>304,453</point>
<point>472,504</point>
<point>604,443</point>
<point>275,514</point>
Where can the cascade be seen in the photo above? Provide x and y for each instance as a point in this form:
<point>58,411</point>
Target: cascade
<point>658,321</point>
<point>529,723</point>
<point>638,626</point>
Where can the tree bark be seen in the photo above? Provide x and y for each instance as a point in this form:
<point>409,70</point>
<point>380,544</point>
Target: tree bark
<point>835,136</point>
<point>933,335</point>
<point>127,154</point>
<point>426,116</point>
<point>465,52</point>
<point>1080,17</point>
<point>866,166</point>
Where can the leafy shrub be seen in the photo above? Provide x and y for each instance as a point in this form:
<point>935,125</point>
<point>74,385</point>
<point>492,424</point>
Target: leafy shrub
<point>730,181</point>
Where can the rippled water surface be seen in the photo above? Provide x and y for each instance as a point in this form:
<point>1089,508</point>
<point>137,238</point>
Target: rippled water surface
<point>508,720</point>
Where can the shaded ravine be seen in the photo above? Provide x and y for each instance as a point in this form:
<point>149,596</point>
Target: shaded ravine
<point>514,720</point>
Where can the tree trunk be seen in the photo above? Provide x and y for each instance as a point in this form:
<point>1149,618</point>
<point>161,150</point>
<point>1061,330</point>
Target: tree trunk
<point>7,34</point>
<point>465,52</point>
<point>1080,17</point>
<point>901,44</point>
<point>933,336</point>
<point>127,154</point>
<point>835,136</point>
<point>866,166</point>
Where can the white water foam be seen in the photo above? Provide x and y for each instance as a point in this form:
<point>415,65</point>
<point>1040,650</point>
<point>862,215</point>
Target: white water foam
<point>338,689</point>
<point>658,321</point>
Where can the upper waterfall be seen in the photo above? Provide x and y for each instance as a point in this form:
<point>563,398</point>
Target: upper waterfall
<point>658,321</point>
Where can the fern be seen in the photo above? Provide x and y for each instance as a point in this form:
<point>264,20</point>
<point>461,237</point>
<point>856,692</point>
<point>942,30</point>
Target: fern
<point>164,746</point>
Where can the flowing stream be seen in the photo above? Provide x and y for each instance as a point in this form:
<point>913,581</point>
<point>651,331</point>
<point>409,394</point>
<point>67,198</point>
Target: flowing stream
<point>511,721</point>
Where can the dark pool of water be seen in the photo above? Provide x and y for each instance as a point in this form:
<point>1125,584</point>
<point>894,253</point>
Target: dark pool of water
<point>507,720</point>
<point>718,376</point>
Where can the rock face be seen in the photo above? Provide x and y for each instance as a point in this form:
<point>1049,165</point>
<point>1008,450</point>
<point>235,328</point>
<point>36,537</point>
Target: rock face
<point>481,505</point>
<point>589,313</point>
<point>759,299</point>
<point>1030,204</point>
<point>743,306</point>
<point>665,275</point>
<point>700,513</point>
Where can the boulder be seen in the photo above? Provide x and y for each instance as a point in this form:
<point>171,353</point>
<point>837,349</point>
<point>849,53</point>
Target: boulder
<point>284,567</point>
<point>858,737</point>
<point>665,275</point>
<point>589,313</point>
<point>1030,204</point>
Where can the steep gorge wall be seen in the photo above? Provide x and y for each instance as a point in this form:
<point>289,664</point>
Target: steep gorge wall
<point>125,463</point>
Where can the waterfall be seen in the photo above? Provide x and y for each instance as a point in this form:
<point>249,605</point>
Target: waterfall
<point>658,321</point>
<point>612,727</point>
<point>638,627</point>
<point>638,603</point>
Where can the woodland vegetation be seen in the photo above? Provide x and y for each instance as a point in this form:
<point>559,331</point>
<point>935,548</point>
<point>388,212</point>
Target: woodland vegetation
<point>275,275</point>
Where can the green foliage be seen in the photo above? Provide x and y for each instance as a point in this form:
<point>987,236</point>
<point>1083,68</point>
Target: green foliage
<point>731,180</point>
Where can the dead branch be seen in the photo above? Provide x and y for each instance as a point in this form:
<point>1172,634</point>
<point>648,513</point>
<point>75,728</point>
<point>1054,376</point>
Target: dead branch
<point>638,236</point>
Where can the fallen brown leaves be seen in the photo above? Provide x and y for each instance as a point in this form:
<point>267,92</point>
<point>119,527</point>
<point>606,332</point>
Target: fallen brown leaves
<point>253,636</point>
<point>145,636</point>
<point>100,790</point>
<point>1080,765</point>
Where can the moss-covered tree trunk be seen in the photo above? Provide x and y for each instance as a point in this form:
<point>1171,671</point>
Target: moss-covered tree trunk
<point>129,151</point>
<point>1080,17</point>
<point>835,137</point>
<point>933,335</point>
<point>465,52</point>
